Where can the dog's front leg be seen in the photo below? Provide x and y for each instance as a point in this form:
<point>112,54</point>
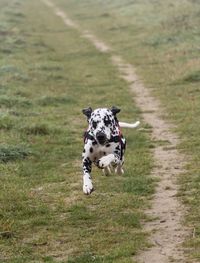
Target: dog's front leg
<point>87,168</point>
<point>110,159</point>
<point>87,180</point>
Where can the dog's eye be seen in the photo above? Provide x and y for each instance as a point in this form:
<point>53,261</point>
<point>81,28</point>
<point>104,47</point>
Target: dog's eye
<point>94,124</point>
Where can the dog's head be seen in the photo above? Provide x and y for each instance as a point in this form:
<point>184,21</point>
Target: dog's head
<point>103,123</point>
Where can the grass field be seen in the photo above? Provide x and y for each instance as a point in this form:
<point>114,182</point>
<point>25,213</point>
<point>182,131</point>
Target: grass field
<point>48,74</point>
<point>161,38</point>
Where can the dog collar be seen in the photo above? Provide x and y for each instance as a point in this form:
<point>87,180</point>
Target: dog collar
<point>88,136</point>
<point>116,138</point>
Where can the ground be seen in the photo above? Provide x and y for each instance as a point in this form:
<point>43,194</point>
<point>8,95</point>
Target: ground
<point>46,62</point>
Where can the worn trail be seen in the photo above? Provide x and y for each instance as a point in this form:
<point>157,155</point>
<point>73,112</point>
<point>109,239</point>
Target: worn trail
<point>167,233</point>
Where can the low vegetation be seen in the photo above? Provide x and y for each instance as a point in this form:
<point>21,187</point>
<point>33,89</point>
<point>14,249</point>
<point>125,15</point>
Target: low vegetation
<point>161,38</point>
<point>48,74</point>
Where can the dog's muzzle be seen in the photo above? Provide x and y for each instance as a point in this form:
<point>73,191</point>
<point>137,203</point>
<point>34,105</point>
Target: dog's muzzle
<point>101,138</point>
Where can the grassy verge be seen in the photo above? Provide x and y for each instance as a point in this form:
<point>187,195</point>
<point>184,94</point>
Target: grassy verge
<point>161,38</point>
<point>48,74</point>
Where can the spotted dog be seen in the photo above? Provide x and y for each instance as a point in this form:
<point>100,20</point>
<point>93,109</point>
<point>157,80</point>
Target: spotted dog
<point>104,143</point>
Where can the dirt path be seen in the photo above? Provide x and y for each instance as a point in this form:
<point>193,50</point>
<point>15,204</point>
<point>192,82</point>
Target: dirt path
<point>167,212</point>
<point>168,233</point>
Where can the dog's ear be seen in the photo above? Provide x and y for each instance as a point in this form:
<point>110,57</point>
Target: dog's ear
<point>87,112</point>
<point>115,110</point>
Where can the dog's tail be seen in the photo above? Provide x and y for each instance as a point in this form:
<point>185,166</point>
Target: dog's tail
<point>129,125</point>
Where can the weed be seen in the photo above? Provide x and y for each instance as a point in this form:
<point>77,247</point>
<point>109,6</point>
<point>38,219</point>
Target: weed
<point>56,101</point>
<point>6,123</point>
<point>13,72</point>
<point>6,50</point>
<point>139,186</point>
<point>157,41</point>
<point>9,102</point>
<point>192,77</point>
<point>9,69</point>
<point>48,67</point>
<point>41,129</point>
<point>128,219</point>
<point>79,213</point>
<point>12,153</point>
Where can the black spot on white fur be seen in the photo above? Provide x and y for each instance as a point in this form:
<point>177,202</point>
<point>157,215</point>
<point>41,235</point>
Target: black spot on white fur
<point>91,150</point>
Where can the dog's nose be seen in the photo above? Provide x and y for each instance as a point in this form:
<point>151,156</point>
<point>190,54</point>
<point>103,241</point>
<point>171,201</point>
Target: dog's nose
<point>101,137</point>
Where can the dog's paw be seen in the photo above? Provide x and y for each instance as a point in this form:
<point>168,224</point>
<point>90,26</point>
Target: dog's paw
<point>107,170</point>
<point>105,161</point>
<point>119,170</point>
<point>88,188</point>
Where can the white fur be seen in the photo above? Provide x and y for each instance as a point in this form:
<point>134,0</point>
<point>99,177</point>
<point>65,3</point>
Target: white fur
<point>87,184</point>
<point>105,161</point>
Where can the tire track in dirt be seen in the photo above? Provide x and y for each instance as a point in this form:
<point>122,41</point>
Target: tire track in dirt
<point>167,233</point>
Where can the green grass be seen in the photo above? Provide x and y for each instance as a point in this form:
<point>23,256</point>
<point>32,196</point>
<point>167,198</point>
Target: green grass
<point>6,122</point>
<point>11,153</point>
<point>161,38</point>
<point>48,75</point>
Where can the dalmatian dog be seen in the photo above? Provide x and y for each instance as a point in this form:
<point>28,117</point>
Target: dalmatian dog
<point>104,144</point>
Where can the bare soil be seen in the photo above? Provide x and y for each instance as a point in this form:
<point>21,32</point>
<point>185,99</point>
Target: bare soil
<point>167,212</point>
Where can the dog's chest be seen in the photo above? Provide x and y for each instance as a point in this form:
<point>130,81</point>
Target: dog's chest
<point>100,151</point>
